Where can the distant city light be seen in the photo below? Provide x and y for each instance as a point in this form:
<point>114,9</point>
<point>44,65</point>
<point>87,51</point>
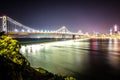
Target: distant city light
<point>110,31</point>
<point>115,27</point>
<point>86,33</point>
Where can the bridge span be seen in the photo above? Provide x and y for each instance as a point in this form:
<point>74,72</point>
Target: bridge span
<point>15,29</point>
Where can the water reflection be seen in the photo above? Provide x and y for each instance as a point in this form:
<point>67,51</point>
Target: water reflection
<point>59,57</point>
<point>114,53</point>
<point>94,44</point>
<point>92,57</point>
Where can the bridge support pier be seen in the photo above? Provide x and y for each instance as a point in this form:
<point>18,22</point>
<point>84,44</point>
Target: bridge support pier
<point>63,36</point>
<point>73,36</point>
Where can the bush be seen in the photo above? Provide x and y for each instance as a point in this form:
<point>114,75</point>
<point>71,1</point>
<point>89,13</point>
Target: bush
<point>9,48</point>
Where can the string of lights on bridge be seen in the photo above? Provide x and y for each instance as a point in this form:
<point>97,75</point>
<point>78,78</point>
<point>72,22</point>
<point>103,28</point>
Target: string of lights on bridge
<point>11,25</point>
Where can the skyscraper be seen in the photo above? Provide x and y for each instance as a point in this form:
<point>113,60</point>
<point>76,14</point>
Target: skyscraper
<point>115,29</point>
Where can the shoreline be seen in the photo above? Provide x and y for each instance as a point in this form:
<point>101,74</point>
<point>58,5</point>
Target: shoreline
<point>47,42</point>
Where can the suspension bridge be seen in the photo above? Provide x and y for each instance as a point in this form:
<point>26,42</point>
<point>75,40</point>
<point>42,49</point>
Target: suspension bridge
<point>15,29</point>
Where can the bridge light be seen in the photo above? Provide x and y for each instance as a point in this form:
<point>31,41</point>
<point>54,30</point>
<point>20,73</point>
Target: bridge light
<point>23,30</point>
<point>41,31</point>
<point>38,31</point>
<point>33,30</point>
<point>63,27</point>
<point>45,30</point>
<point>28,30</point>
<point>15,30</point>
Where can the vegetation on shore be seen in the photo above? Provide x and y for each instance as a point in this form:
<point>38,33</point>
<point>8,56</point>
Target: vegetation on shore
<point>14,66</point>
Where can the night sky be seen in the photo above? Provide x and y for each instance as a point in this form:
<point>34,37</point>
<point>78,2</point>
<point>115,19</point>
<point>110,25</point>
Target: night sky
<point>85,15</point>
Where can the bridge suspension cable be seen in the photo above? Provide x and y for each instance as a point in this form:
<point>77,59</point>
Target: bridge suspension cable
<point>11,25</point>
<point>19,24</point>
<point>63,30</point>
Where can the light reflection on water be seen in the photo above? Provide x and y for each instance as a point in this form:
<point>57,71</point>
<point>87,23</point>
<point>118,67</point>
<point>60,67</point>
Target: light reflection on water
<point>75,57</point>
<point>114,53</point>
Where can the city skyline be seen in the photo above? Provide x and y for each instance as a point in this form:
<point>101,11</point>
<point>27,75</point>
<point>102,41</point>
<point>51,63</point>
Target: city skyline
<point>88,16</point>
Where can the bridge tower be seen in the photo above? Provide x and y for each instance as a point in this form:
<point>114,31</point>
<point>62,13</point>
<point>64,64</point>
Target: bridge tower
<point>64,32</point>
<point>4,23</point>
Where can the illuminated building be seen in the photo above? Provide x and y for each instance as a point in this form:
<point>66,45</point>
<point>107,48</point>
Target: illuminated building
<point>110,31</point>
<point>115,29</point>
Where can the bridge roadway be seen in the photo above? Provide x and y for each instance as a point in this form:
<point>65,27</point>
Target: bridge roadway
<point>43,35</point>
